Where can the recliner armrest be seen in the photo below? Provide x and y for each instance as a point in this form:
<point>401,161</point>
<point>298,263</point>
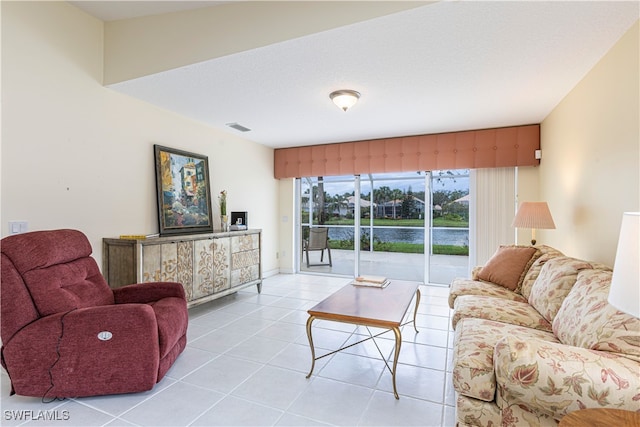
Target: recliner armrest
<point>556,379</point>
<point>144,293</point>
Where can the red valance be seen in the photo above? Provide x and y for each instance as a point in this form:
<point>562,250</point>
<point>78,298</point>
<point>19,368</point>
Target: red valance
<point>486,148</point>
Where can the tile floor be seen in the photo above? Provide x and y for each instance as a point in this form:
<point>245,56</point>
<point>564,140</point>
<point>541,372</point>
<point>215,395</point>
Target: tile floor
<point>246,361</point>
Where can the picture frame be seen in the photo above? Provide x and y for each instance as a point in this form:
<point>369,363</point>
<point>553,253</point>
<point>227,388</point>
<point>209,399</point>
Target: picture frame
<point>183,191</point>
<point>239,218</point>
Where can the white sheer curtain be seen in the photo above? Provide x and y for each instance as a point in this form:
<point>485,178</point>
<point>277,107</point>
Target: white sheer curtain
<point>491,212</point>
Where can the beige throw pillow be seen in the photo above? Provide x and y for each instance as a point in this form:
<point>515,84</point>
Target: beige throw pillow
<point>507,266</point>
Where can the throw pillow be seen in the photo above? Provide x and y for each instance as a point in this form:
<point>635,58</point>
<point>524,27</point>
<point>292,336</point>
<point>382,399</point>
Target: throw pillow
<point>507,266</point>
<point>587,320</point>
<point>553,284</point>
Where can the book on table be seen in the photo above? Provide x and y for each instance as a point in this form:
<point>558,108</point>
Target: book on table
<point>373,281</point>
<point>139,236</point>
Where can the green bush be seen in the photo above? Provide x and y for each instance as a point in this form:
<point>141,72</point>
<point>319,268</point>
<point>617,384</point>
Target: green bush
<point>400,247</point>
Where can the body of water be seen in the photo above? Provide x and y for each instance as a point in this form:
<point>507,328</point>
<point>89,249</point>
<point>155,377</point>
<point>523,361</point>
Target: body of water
<point>441,236</point>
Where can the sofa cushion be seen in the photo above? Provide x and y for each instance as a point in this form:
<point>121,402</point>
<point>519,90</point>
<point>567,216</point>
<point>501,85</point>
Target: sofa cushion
<point>475,339</point>
<point>546,253</point>
<point>473,287</point>
<point>492,308</point>
<point>508,265</point>
<point>556,279</point>
<point>587,320</point>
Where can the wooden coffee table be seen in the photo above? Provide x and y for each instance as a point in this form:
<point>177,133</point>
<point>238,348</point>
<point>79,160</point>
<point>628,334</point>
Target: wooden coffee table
<point>600,417</point>
<point>368,306</point>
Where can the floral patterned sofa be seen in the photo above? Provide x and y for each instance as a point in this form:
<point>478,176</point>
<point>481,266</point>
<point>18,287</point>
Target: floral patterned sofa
<point>545,342</point>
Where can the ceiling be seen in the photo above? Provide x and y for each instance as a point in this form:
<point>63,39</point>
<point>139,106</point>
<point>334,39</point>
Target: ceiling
<point>446,66</point>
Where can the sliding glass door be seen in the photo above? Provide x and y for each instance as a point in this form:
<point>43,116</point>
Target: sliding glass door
<point>449,246</point>
<point>326,204</point>
<point>408,226</point>
<point>392,225</point>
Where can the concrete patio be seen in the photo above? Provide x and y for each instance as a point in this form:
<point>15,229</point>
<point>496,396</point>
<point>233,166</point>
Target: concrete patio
<point>394,265</point>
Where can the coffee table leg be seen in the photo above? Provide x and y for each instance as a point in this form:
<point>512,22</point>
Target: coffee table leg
<point>313,352</point>
<point>396,332</point>
<point>415,313</point>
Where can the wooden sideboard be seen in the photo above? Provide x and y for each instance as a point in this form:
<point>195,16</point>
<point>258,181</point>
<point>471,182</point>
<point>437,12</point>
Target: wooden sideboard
<point>209,265</point>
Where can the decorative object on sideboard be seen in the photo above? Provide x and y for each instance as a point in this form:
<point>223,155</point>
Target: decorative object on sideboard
<point>238,221</point>
<point>533,215</point>
<point>345,98</point>
<point>624,293</point>
<point>184,198</point>
<point>222,201</point>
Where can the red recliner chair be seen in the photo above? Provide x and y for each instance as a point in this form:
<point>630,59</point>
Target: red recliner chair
<point>65,333</point>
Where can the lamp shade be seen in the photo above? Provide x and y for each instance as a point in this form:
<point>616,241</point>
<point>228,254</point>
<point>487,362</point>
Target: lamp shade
<point>624,293</point>
<point>533,215</point>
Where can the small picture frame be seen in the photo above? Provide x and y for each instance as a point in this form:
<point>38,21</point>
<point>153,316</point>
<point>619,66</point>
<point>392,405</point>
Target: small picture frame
<point>239,218</point>
<point>184,195</point>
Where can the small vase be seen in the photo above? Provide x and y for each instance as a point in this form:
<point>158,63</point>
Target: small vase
<point>223,221</point>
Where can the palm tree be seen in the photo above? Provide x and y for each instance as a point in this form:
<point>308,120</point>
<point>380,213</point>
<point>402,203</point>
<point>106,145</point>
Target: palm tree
<point>396,194</point>
<point>382,196</point>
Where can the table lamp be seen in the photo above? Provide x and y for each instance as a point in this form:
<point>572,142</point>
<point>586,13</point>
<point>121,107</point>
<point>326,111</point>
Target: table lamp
<point>624,293</point>
<point>533,215</point>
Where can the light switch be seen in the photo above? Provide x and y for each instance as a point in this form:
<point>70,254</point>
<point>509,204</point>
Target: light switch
<point>17,227</point>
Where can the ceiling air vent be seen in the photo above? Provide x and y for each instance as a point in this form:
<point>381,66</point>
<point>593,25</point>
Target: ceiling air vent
<point>239,127</point>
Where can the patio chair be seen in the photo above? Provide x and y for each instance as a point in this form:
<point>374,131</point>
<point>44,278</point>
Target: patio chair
<point>318,241</point>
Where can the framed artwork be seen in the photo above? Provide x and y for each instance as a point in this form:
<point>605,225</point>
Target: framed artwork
<point>184,195</point>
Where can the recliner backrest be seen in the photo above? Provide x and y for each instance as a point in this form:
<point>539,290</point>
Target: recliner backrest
<point>18,309</point>
<point>57,269</point>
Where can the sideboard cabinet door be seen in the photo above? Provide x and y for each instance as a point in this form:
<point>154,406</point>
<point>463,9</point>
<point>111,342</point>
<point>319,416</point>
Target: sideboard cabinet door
<point>203,268</point>
<point>184,267</point>
<point>221,264</point>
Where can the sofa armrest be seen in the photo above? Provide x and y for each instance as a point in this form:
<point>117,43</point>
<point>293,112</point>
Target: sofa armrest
<point>65,354</point>
<point>556,379</point>
<point>144,293</point>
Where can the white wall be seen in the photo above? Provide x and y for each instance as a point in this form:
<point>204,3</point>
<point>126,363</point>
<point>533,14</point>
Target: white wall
<point>527,190</point>
<point>76,154</point>
<point>590,169</point>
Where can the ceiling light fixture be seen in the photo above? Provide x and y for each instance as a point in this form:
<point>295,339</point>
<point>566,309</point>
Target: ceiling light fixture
<point>344,98</point>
